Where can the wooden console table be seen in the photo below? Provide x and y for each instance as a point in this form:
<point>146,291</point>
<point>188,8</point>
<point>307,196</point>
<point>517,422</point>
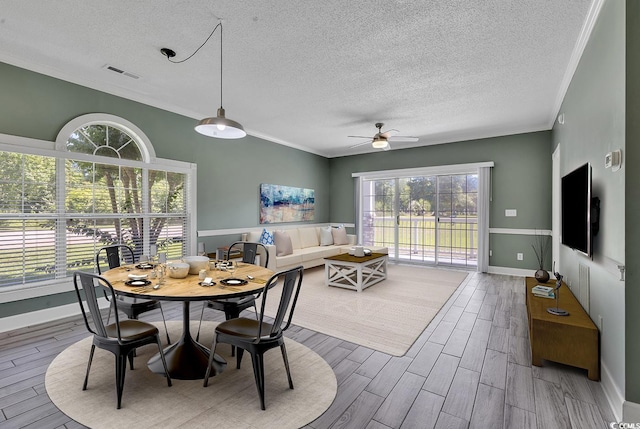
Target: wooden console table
<point>572,340</point>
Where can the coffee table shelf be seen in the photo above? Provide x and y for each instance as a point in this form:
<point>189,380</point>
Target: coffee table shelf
<point>355,272</point>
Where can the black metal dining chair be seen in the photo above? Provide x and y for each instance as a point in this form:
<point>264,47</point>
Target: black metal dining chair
<point>258,336</point>
<point>232,307</point>
<point>119,338</point>
<point>132,307</point>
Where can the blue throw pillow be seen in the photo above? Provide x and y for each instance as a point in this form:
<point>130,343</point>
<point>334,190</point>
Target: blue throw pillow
<point>266,237</point>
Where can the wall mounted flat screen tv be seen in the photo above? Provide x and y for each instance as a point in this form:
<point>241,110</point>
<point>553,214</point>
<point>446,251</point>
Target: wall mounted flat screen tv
<point>577,210</point>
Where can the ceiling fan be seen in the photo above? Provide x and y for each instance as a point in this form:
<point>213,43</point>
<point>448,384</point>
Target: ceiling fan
<point>382,139</point>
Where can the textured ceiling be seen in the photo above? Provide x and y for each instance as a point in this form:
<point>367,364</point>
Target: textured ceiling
<point>308,74</point>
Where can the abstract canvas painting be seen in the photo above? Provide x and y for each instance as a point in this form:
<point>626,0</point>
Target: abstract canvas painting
<point>285,204</point>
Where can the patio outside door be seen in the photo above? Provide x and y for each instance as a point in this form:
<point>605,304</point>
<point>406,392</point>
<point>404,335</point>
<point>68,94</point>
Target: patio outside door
<point>424,219</point>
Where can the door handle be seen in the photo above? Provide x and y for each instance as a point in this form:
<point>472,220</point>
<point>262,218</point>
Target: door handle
<point>398,220</point>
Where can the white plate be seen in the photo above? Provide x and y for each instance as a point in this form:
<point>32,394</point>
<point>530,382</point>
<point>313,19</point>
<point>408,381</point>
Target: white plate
<point>137,276</point>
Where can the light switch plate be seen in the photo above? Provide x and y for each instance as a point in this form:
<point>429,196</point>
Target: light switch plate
<point>511,212</point>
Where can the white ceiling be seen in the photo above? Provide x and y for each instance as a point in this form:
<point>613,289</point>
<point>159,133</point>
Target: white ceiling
<point>307,74</point>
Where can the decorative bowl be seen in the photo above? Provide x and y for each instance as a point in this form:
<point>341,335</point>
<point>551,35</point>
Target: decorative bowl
<point>196,263</point>
<point>178,270</point>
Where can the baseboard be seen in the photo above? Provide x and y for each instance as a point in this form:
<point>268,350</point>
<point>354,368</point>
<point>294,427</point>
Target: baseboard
<point>43,316</point>
<point>520,272</point>
<point>630,412</point>
<point>612,392</point>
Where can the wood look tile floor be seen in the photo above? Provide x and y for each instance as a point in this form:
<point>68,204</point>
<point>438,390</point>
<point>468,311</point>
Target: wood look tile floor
<point>470,368</point>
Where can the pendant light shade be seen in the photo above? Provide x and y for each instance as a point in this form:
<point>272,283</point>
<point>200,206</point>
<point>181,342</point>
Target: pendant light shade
<point>220,127</point>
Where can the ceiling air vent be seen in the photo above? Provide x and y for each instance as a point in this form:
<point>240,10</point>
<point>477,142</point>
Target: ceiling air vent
<point>120,71</point>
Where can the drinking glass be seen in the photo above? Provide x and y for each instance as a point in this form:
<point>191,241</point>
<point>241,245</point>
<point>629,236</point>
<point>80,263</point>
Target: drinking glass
<point>231,267</point>
<point>221,267</point>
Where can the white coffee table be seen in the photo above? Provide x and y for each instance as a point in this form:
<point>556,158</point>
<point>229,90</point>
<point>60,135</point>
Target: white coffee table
<point>354,272</point>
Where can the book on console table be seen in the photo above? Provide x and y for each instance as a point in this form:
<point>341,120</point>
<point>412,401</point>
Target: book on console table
<point>543,291</point>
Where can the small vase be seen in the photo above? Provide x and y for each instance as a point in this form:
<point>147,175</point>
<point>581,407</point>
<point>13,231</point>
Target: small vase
<point>542,276</point>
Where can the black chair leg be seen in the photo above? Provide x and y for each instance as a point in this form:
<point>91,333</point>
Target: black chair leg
<point>286,364</point>
<point>164,362</point>
<point>109,313</point>
<point>121,368</point>
<point>130,356</point>
<point>211,355</point>
<point>200,324</point>
<point>239,358</point>
<point>165,325</point>
<point>228,315</point>
<point>86,377</point>
<point>258,372</point>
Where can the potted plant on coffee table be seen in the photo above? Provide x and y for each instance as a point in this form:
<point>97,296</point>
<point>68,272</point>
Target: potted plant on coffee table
<point>541,249</point>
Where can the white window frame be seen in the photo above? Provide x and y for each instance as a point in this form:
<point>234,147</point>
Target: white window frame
<point>58,149</point>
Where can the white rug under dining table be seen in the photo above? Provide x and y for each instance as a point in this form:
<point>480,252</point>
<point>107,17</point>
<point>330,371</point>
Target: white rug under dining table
<point>230,401</point>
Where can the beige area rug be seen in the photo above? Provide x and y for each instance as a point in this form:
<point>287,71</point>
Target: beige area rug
<point>388,316</point>
<point>230,401</point>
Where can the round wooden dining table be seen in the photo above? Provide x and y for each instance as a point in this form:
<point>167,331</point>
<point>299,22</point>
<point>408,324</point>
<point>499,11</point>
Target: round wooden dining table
<point>187,359</point>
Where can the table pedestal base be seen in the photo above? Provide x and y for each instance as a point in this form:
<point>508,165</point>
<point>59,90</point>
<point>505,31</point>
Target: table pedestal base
<point>187,359</point>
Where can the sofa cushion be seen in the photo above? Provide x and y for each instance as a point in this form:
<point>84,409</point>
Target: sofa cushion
<point>326,237</point>
<point>295,238</point>
<point>339,236</point>
<point>310,253</point>
<point>282,241</point>
<point>288,260</point>
<point>266,237</point>
<point>332,251</point>
<point>308,237</point>
<point>254,236</point>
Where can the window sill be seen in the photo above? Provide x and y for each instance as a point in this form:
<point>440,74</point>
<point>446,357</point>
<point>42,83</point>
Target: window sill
<point>50,287</point>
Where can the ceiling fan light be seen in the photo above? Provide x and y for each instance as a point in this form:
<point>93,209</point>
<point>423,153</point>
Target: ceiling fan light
<point>379,143</point>
<point>220,127</point>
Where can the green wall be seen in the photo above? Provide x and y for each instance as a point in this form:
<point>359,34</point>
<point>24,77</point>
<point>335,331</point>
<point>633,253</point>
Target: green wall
<point>229,171</point>
<point>521,180</point>
<point>632,206</point>
<point>594,124</point>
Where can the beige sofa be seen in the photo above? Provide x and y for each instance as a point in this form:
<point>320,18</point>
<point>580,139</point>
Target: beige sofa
<point>307,250</point>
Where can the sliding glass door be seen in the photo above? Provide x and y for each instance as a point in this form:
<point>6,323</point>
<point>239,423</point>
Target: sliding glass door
<point>457,220</point>
<point>425,219</point>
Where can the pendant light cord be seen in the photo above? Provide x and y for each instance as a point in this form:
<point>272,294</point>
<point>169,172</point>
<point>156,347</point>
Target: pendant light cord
<point>220,25</point>
<point>203,43</point>
<point>200,47</point>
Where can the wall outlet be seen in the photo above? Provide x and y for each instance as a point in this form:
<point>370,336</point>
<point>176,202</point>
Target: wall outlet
<point>511,212</point>
<point>520,256</point>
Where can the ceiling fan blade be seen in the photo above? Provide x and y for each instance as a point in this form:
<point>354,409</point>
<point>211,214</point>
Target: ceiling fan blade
<point>387,133</point>
<point>407,139</point>
<point>361,144</point>
<point>360,137</point>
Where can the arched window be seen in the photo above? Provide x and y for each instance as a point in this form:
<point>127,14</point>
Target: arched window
<point>101,185</point>
<point>104,140</point>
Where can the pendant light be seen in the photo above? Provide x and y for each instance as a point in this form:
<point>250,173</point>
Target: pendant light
<point>220,126</point>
